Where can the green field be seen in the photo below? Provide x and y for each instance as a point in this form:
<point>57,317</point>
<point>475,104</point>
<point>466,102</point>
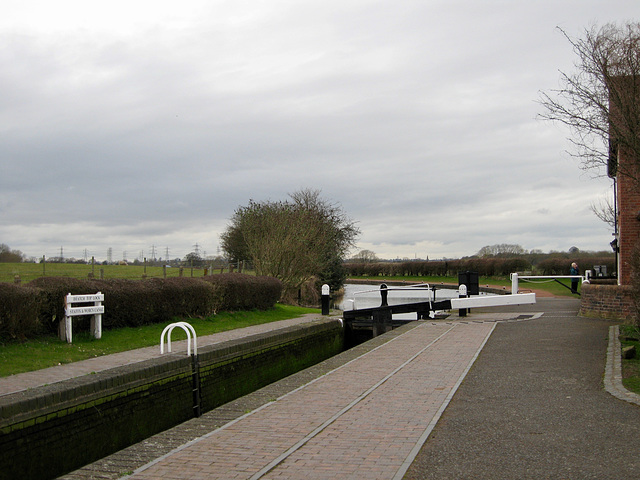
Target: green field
<point>31,271</point>
<point>630,336</point>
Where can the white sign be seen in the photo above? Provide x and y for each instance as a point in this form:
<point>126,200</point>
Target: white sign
<point>74,311</point>
<point>96,310</point>
<point>85,298</point>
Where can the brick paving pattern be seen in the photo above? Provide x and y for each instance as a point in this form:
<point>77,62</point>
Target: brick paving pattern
<point>364,420</point>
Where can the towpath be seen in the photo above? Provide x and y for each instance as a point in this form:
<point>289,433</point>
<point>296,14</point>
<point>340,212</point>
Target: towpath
<point>515,394</point>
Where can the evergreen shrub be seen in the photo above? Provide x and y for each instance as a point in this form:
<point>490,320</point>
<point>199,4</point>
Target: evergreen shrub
<point>238,291</point>
<point>19,307</point>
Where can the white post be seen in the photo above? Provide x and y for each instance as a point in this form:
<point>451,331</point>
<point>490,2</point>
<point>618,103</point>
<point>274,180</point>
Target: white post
<point>514,283</point>
<point>66,324</point>
<point>96,322</point>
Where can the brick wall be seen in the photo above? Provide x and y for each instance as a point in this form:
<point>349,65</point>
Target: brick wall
<point>612,302</point>
<point>628,223</point>
<point>623,164</point>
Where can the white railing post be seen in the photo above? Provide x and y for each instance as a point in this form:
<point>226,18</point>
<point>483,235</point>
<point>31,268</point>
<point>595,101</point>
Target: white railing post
<point>514,283</point>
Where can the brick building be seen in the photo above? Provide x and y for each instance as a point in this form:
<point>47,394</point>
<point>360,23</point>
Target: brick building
<point>623,166</point>
<point>619,302</point>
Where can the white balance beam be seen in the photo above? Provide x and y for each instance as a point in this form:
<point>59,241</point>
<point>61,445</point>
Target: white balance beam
<point>493,301</point>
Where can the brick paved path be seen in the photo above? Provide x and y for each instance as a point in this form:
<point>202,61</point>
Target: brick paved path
<point>364,420</point>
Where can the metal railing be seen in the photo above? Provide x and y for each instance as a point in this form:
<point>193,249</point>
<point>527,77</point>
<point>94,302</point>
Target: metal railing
<point>189,330</point>
<point>515,279</point>
<point>384,292</point>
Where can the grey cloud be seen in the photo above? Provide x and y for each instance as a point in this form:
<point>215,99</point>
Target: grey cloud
<point>418,117</point>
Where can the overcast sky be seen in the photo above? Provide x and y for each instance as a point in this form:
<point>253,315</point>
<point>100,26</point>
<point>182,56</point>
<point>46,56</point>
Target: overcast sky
<point>144,124</point>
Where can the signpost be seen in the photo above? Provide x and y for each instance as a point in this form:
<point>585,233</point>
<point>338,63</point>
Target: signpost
<point>92,306</point>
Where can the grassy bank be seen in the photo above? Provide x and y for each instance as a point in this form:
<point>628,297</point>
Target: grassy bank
<point>49,351</point>
<point>630,336</point>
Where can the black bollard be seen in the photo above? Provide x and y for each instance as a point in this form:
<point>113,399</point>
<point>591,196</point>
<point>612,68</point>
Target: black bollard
<point>462,293</point>
<point>384,294</point>
<point>325,299</point>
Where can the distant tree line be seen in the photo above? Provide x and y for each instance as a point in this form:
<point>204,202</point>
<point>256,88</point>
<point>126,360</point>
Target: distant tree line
<point>10,256</point>
<point>490,261</point>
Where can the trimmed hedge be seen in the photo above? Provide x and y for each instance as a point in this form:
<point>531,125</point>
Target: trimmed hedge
<point>237,291</point>
<point>561,266</point>
<point>51,292</point>
<point>37,308</point>
<point>486,267</point>
<point>19,308</point>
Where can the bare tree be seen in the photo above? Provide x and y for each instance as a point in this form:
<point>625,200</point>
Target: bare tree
<point>594,100</point>
<point>10,256</point>
<point>365,256</point>
<point>291,240</point>
<point>605,211</point>
<point>501,249</point>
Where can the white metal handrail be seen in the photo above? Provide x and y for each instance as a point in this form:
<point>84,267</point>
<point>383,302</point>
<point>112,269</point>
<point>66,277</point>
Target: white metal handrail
<point>189,330</point>
<point>516,277</point>
<point>385,288</point>
<point>388,289</point>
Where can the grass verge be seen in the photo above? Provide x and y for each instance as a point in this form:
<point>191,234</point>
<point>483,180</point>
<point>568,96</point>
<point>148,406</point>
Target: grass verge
<point>630,335</point>
<point>49,351</point>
